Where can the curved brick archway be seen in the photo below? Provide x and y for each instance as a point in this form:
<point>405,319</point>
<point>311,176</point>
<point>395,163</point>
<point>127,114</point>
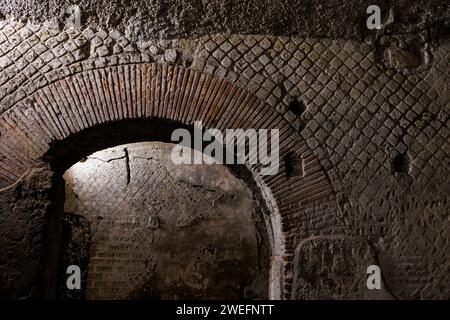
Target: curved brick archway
<point>299,202</point>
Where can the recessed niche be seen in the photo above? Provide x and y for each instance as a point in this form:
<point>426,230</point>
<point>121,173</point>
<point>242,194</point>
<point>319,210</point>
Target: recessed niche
<point>297,107</point>
<point>293,165</point>
<point>400,164</point>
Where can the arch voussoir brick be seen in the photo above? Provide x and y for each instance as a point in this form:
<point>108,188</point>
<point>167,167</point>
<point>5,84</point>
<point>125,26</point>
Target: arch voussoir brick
<point>149,90</point>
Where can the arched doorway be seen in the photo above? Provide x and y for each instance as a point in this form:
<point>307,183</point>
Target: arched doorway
<point>111,100</point>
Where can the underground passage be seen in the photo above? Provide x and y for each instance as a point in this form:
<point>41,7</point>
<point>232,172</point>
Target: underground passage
<point>237,150</point>
<point>144,228</point>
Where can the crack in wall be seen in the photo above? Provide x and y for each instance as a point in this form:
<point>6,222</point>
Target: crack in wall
<point>106,161</point>
<point>185,181</point>
<point>127,164</point>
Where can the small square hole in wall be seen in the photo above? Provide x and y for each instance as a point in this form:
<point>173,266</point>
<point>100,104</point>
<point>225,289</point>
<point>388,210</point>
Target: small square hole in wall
<point>400,163</point>
<point>297,107</point>
<point>293,164</point>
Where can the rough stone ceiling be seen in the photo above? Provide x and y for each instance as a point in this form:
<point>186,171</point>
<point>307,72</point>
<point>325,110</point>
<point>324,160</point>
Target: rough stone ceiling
<point>141,19</point>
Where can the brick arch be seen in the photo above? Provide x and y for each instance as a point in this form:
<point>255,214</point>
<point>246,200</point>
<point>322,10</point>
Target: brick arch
<point>301,204</point>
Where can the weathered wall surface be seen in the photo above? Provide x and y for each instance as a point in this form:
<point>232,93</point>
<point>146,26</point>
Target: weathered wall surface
<point>29,230</point>
<point>375,115</point>
<point>161,231</point>
<point>335,267</point>
<point>145,19</point>
<point>74,250</point>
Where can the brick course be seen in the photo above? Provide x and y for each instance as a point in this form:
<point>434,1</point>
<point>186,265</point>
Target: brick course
<point>360,115</point>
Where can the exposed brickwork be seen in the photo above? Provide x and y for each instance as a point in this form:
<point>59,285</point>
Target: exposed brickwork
<point>204,243</point>
<point>359,116</point>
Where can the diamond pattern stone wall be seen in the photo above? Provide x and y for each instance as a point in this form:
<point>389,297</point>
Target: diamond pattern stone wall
<point>357,116</point>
